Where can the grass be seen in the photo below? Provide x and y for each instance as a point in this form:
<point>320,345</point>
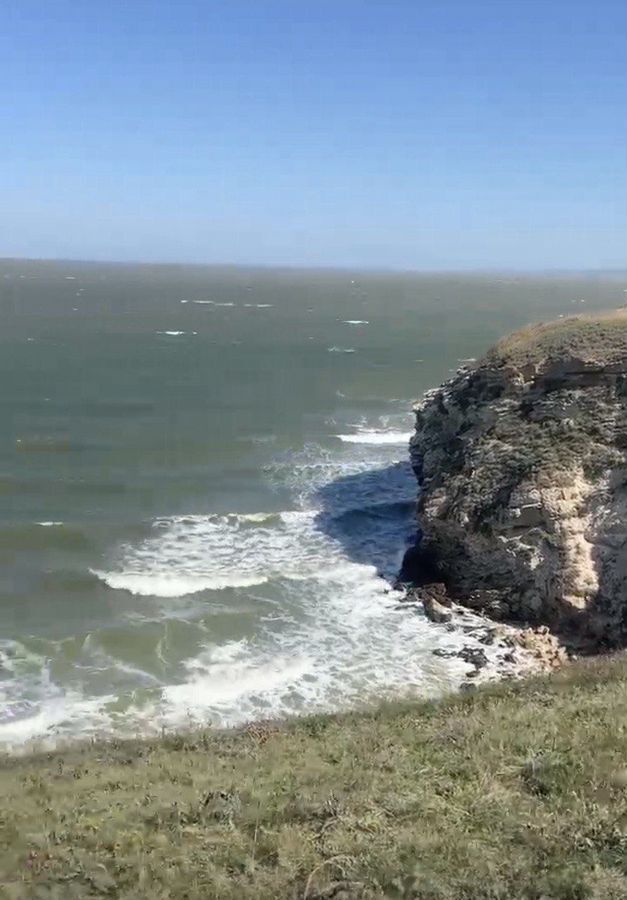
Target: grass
<point>518,791</point>
<point>598,339</point>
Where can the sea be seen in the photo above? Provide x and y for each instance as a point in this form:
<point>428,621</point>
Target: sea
<point>205,493</point>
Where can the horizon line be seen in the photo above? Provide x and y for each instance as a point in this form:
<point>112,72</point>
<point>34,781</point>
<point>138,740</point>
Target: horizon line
<point>291,267</point>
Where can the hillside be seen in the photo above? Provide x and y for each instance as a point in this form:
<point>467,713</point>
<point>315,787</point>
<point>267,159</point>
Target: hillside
<point>518,791</point>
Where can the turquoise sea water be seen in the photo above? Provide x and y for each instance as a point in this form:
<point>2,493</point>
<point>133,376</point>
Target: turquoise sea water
<point>204,487</point>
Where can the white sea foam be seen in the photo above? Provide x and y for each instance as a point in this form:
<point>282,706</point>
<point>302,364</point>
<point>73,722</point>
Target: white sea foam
<point>207,303</point>
<point>48,524</point>
<point>161,584</point>
<point>264,305</point>
<point>334,636</point>
<point>225,304</point>
<point>68,714</point>
<point>189,554</point>
<point>32,706</point>
<point>341,349</point>
<point>176,333</point>
<point>376,437</point>
<point>257,517</point>
<point>356,322</point>
<point>226,674</point>
<point>324,628</point>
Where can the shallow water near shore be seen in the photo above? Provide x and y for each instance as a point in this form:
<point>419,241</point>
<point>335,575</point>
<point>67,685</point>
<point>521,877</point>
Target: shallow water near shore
<point>205,486</point>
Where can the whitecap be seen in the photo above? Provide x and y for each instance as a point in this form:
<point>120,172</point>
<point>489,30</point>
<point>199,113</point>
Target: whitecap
<point>49,524</point>
<point>341,349</point>
<point>176,333</point>
<point>356,322</point>
<point>257,517</point>
<point>162,584</point>
<point>376,437</point>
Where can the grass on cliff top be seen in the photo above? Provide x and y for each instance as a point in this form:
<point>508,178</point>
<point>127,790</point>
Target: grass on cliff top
<point>517,791</point>
<point>600,339</point>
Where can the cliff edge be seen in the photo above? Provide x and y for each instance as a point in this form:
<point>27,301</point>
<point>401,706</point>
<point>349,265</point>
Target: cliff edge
<point>522,468</point>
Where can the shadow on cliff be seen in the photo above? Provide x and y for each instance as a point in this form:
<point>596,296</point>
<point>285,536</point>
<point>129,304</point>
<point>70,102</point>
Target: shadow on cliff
<point>372,515</point>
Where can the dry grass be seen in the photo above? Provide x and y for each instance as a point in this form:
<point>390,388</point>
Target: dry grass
<point>513,792</point>
<point>600,338</point>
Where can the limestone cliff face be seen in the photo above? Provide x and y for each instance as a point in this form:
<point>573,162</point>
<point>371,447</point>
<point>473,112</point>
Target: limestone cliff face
<point>523,472</point>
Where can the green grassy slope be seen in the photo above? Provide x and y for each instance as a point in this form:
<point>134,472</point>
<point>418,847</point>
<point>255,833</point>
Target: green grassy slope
<point>600,339</point>
<point>511,792</point>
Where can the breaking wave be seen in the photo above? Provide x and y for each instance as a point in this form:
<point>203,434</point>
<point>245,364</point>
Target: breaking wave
<point>254,615</point>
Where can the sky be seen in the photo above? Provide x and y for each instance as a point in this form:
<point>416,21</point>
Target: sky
<point>411,134</point>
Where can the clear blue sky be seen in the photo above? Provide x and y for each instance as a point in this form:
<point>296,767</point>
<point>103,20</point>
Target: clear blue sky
<point>422,134</point>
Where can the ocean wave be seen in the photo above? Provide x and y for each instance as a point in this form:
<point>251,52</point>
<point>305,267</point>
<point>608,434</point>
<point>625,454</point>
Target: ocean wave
<point>324,629</point>
<point>355,322</point>
<point>189,554</point>
<point>257,517</point>
<point>341,350</point>
<point>176,333</point>
<point>32,705</point>
<point>233,672</point>
<point>41,724</point>
<point>376,437</point>
<point>160,584</point>
<point>231,519</point>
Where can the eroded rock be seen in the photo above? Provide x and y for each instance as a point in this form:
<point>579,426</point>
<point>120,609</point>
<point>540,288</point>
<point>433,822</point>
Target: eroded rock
<point>523,473</point>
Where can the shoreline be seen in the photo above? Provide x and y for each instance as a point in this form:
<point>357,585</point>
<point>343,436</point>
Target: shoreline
<point>512,651</point>
<point>509,654</point>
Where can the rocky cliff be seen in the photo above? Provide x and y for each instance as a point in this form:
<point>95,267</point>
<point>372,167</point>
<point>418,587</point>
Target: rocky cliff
<point>522,466</point>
